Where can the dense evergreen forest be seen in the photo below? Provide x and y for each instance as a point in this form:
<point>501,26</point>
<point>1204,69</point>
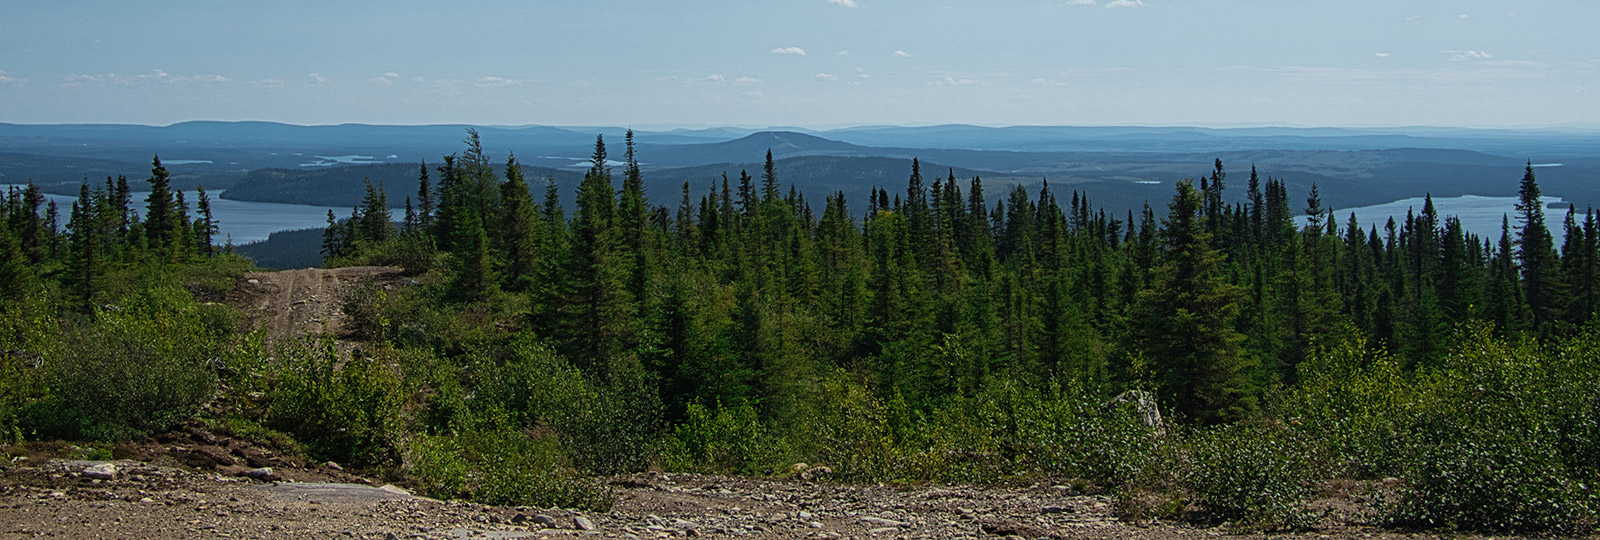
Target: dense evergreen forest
<point>939,337</point>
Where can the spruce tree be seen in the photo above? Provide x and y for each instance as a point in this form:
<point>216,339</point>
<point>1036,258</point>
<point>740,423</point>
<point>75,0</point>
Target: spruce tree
<point>1184,324</point>
<point>1536,258</point>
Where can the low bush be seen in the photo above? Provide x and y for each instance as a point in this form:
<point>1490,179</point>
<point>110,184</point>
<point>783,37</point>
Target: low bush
<point>722,440</point>
<point>133,371</point>
<point>502,467</point>
<point>1251,475</point>
<point>348,412</point>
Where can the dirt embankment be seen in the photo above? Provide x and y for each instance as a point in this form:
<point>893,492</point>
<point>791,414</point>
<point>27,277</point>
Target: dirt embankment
<point>294,303</point>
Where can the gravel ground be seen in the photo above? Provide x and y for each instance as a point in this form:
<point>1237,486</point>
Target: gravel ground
<point>42,497</point>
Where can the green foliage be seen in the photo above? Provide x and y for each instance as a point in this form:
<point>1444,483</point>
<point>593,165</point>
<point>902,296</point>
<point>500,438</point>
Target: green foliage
<point>1252,475</point>
<point>1504,441</point>
<point>722,440</point>
<point>502,467</point>
<point>137,370</point>
<point>342,410</point>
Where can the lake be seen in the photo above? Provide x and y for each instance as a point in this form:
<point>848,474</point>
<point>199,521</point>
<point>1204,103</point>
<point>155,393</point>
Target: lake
<point>244,221</point>
<point>1479,215</point>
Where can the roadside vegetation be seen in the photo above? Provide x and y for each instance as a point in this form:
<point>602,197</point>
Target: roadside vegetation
<point>1451,380</point>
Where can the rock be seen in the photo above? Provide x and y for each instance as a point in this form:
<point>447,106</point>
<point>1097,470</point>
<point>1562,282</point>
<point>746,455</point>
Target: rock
<point>815,524</point>
<point>798,468</point>
<point>264,474</point>
<point>397,490</point>
<point>103,471</point>
<point>336,467</point>
<point>1143,403</point>
<point>1056,509</point>
<point>583,523</point>
<point>816,472</point>
<point>882,522</point>
<point>147,500</point>
<point>254,281</point>
<point>804,515</point>
<point>547,521</point>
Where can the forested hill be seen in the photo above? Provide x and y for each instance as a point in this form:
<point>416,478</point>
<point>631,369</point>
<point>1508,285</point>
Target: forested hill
<point>1114,165</point>
<point>345,186</point>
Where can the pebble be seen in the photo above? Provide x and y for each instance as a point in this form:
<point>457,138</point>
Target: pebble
<point>583,523</point>
<point>545,520</point>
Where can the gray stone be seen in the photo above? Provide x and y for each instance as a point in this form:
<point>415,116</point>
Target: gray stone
<point>546,521</point>
<point>882,522</point>
<point>583,523</point>
<point>103,471</point>
<point>264,474</point>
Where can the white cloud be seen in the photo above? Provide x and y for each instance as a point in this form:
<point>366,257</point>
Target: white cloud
<point>391,75</point>
<point>1080,2</point>
<point>902,54</point>
<point>715,77</point>
<point>271,83</point>
<point>952,81</point>
<point>316,78</point>
<point>843,53</point>
<point>1124,3</point>
<point>1463,16</point>
<point>417,79</point>
<point>789,50</point>
<point>827,77</point>
<point>155,76</point>
<point>6,78</point>
<point>496,82</point>
<point>845,3</point>
<point>1459,55</point>
<point>746,80</point>
<point>1382,55</point>
<point>380,81</point>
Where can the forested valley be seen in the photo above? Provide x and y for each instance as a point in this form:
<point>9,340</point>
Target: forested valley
<point>938,338</point>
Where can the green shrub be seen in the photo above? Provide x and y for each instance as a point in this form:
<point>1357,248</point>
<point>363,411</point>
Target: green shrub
<point>131,372</point>
<point>1503,442</point>
<point>347,413</point>
<point>502,467</point>
<point>1251,475</point>
<point>722,440</point>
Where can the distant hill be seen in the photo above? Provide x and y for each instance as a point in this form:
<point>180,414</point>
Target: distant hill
<point>1120,166</point>
<point>286,250</point>
<point>346,186</point>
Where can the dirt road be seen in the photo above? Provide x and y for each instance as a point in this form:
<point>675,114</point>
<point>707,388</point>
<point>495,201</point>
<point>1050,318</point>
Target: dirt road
<point>293,303</point>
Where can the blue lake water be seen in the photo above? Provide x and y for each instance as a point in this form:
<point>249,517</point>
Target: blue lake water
<point>244,221</point>
<point>1479,215</point>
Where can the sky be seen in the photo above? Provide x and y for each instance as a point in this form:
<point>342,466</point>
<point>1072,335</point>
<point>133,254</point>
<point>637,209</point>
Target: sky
<point>808,63</point>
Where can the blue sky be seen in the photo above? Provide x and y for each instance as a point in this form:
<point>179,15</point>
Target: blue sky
<point>813,63</point>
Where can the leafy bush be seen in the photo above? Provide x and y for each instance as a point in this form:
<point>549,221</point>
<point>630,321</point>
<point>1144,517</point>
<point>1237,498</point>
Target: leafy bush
<point>347,413</point>
<point>722,440</point>
<point>1251,475</point>
<point>134,371</point>
<point>1503,442</point>
<point>502,467</point>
